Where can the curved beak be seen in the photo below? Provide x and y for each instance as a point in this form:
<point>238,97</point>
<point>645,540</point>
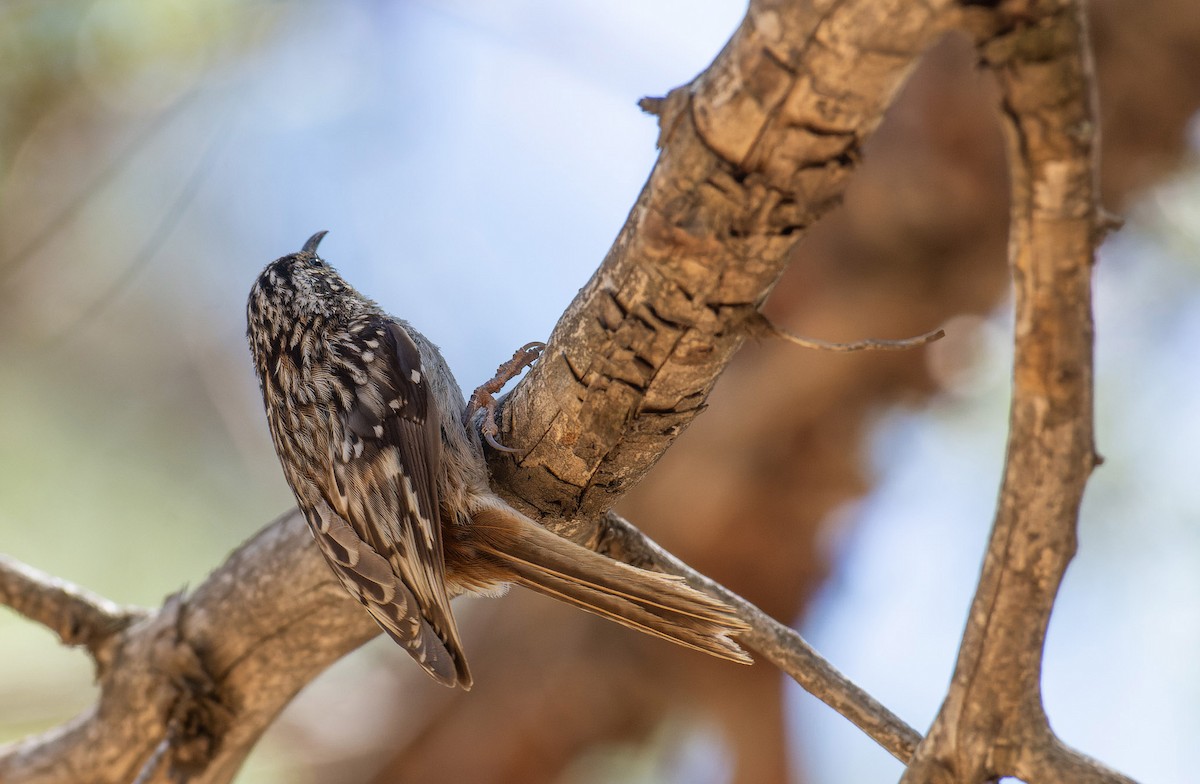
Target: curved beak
<point>313,242</point>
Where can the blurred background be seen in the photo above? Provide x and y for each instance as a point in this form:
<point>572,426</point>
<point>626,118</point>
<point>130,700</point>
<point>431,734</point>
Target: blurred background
<point>472,161</point>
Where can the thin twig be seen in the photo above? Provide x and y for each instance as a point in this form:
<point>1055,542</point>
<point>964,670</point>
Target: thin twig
<point>779,644</point>
<point>167,224</point>
<point>760,326</point>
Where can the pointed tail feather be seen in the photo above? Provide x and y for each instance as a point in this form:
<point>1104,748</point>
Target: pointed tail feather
<point>651,602</point>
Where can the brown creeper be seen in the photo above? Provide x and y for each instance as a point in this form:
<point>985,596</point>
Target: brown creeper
<point>368,424</point>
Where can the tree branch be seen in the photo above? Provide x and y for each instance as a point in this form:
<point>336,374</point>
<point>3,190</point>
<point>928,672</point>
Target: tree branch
<point>77,616</point>
<point>216,668</point>
<point>754,150</point>
<point>781,645</point>
<point>759,326</point>
<point>992,723</point>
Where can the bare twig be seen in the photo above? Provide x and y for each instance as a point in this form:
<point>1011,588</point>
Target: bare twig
<point>148,771</point>
<point>759,325</point>
<point>17,261</point>
<point>167,223</point>
<point>781,645</point>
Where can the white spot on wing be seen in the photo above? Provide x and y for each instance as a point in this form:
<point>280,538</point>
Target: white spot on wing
<point>415,375</point>
<point>423,523</point>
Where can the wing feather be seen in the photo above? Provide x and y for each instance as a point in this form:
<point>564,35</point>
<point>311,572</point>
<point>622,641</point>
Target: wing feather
<point>383,497</point>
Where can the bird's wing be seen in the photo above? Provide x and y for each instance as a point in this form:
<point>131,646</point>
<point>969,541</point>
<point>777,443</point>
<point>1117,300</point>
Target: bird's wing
<point>385,463</point>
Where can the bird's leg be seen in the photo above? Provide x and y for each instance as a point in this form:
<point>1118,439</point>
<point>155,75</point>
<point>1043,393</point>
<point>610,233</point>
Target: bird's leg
<point>484,395</point>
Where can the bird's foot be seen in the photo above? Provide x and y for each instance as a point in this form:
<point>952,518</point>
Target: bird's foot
<point>484,396</point>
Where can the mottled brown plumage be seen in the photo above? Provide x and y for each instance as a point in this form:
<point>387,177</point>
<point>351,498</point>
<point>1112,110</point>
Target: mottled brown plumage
<point>368,423</point>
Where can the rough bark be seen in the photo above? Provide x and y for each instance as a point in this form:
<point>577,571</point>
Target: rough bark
<point>992,723</point>
<point>754,150</point>
<point>209,671</point>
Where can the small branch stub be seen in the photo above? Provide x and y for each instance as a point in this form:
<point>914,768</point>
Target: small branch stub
<point>77,616</point>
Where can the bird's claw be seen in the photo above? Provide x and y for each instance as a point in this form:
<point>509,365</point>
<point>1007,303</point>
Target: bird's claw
<point>484,396</point>
<point>494,444</point>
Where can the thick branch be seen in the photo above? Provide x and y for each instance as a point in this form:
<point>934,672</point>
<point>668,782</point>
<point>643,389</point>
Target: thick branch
<point>755,149</point>
<point>992,722</point>
<point>214,669</point>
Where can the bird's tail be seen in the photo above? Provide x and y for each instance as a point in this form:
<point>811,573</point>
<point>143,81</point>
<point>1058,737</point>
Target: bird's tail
<point>658,604</point>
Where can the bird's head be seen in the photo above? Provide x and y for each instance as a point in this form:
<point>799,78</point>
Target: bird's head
<point>299,285</point>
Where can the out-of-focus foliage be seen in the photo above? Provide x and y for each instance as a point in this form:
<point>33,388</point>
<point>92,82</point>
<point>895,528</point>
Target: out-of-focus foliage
<point>123,460</point>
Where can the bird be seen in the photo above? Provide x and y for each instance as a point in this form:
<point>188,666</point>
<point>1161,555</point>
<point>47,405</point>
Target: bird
<point>377,445</point>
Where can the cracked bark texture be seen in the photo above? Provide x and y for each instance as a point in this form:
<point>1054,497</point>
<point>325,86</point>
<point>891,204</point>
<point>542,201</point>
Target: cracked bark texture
<point>213,669</point>
<point>754,150</point>
<point>745,494</point>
